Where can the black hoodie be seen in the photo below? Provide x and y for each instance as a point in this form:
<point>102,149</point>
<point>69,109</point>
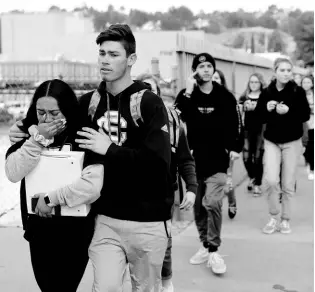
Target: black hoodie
<point>287,127</point>
<point>137,180</point>
<point>212,127</point>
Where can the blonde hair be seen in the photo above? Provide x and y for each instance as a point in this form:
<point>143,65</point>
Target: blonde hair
<point>278,61</point>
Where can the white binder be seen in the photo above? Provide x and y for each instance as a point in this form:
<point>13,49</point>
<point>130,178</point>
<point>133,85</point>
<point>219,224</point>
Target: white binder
<point>56,169</point>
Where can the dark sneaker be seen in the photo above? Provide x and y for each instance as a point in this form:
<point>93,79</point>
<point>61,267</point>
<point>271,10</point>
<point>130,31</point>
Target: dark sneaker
<point>232,211</point>
<point>250,185</point>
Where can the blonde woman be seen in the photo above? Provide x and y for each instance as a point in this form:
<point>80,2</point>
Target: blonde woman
<point>283,107</point>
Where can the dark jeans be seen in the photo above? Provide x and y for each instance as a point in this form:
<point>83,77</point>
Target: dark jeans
<point>309,151</point>
<point>59,251</point>
<point>208,210</point>
<point>253,152</point>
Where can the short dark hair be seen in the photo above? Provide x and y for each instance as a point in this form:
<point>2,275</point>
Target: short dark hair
<point>66,99</point>
<point>119,33</point>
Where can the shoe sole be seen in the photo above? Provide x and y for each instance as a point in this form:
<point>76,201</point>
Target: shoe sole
<point>270,232</point>
<point>285,232</point>
<point>199,263</point>
<point>218,272</point>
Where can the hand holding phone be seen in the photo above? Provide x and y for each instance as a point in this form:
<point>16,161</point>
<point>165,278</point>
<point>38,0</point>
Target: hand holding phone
<point>191,82</point>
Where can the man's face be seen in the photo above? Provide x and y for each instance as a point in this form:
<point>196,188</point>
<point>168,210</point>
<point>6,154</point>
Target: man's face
<point>205,71</point>
<point>284,72</point>
<point>113,61</point>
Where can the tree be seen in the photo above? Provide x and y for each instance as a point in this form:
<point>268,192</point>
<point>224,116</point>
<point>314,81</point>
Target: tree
<point>182,14</point>
<point>304,36</point>
<point>55,8</point>
<point>138,18</point>
<point>276,42</point>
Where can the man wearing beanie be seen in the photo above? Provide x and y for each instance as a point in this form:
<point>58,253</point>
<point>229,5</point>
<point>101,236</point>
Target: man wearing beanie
<point>209,111</point>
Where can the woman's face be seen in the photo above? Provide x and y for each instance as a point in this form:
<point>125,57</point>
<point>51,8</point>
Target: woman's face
<point>298,79</point>
<point>254,84</point>
<point>284,72</point>
<point>153,85</point>
<point>216,77</point>
<point>48,110</point>
<point>307,84</point>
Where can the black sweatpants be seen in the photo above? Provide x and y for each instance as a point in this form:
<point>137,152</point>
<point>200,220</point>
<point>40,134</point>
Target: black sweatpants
<point>253,152</point>
<point>59,250</point>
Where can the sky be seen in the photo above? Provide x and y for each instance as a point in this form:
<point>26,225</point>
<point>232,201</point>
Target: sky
<point>155,5</point>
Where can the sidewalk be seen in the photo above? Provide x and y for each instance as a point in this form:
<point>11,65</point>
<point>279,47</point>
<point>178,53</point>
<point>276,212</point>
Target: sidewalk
<point>256,262</point>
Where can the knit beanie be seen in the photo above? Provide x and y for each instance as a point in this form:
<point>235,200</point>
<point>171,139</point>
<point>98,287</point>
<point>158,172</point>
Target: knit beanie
<point>203,57</point>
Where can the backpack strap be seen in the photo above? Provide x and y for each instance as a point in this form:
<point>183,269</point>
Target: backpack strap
<point>94,101</point>
<point>174,123</point>
<point>135,106</point>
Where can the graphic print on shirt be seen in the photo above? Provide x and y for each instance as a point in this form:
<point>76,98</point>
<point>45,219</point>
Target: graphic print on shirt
<point>206,110</point>
<point>109,122</point>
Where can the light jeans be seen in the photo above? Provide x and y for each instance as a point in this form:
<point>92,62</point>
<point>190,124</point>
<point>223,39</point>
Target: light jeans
<point>281,159</point>
<point>118,242</point>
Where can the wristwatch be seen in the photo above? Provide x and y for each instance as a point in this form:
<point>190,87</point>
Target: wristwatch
<point>48,201</point>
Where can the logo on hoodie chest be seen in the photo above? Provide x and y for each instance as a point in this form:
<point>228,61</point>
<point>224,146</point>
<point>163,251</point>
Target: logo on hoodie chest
<point>206,110</point>
<point>109,122</point>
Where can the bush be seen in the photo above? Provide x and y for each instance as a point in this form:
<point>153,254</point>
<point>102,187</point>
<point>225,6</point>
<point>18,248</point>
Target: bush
<point>5,116</point>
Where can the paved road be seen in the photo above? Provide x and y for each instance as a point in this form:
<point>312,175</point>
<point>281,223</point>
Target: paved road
<point>256,262</point>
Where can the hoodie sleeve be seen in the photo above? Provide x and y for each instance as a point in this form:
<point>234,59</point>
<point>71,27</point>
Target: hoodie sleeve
<point>261,107</point>
<point>20,162</point>
<point>181,104</point>
<point>155,150</point>
<point>85,190</point>
<point>186,162</point>
<point>303,107</point>
<point>231,123</point>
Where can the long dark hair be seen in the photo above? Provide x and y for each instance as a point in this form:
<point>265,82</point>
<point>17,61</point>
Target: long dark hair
<point>222,77</point>
<point>67,102</point>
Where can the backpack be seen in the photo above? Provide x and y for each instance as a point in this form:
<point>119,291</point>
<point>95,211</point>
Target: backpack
<point>135,110</point>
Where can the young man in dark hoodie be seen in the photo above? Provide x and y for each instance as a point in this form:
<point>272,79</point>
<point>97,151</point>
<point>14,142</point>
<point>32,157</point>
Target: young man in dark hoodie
<point>210,113</point>
<point>134,210</point>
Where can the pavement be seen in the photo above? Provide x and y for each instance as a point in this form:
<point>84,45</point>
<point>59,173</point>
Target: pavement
<point>255,262</point>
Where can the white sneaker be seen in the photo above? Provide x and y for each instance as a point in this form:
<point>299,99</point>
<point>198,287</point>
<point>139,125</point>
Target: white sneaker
<point>200,257</point>
<point>216,263</point>
<point>169,288</point>
<point>311,176</point>
<point>271,226</point>
<point>285,227</point>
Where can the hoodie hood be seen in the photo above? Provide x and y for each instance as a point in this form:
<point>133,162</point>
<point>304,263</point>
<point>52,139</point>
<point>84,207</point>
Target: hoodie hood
<point>133,88</point>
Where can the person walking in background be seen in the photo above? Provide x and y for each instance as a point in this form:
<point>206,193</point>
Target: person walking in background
<point>283,107</point>
<point>297,79</point>
<point>182,165</point>
<point>210,113</point>
<point>219,77</point>
<point>308,86</point>
<point>253,146</point>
